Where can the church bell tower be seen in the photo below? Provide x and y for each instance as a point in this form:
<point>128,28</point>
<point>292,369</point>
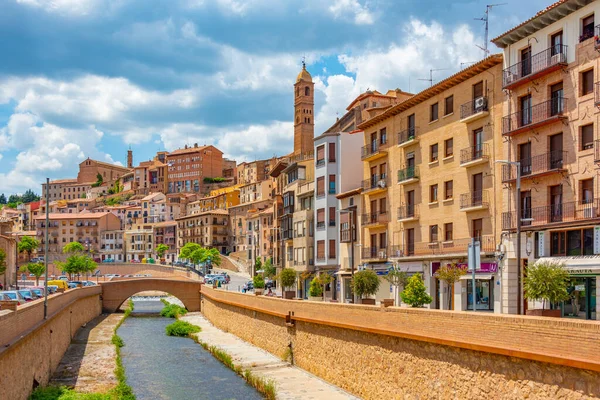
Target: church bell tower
<point>304,119</point>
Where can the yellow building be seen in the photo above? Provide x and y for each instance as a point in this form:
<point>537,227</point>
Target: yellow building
<point>430,183</point>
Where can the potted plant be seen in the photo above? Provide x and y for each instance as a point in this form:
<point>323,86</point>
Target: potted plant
<point>161,249</point>
<point>365,283</point>
<point>259,284</point>
<point>315,290</point>
<point>288,278</point>
<point>450,274</point>
<point>546,281</point>
<point>415,293</point>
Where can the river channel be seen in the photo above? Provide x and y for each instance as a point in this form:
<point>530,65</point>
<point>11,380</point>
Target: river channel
<point>172,368</point>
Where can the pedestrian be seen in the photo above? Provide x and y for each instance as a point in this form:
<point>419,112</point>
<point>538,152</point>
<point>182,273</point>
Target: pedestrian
<point>270,293</point>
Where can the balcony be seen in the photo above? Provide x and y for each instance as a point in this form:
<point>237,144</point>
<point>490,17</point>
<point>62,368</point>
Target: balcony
<point>475,155</point>
<point>473,201</point>
<point>375,184</point>
<point>288,234</point>
<point>541,114</point>
<point>320,225</point>
<point>542,63</point>
<point>441,248</point>
<point>554,214</point>
<point>376,219</point>
<point>408,137</point>
<point>373,151</point>
<point>374,253</point>
<point>408,175</point>
<point>407,213</point>
<point>536,166</point>
<point>345,235</point>
<point>474,109</point>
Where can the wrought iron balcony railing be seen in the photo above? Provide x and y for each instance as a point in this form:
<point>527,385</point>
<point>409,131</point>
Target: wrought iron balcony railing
<point>529,68</point>
<point>533,116</point>
<point>474,153</point>
<point>408,211</point>
<point>536,165</point>
<point>553,214</point>
<point>473,107</point>
<point>407,135</point>
<point>406,174</point>
<point>474,199</point>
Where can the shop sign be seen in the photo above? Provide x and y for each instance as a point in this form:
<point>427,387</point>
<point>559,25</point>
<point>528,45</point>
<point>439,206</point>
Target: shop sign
<point>583,271</point>
<point>540,244</point>
<point>410,267</point>
<point>597,240</point>
<point>580,288</point>
<point>486,267</point>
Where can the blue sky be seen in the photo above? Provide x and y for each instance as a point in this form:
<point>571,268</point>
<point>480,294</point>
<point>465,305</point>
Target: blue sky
<point>89,78</point>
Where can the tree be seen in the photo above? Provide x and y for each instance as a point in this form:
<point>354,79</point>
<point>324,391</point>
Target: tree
<point>73,248</point>
<point>187,250</point>
<point>213,256</point>
<point>546,281</point>
<point>365,283</point>
<point>257,265</point>
<point>450,274</point>
<point>288,277</point>
<point>29,196</point>
<point>13,198</point>
<point>269,269</point>
<point>258,282</point>
<point>37,269</point>
<point>77,264</point>
<point>3,199</point>
<point>161,249</point>
<point>396,277</point>
<point>415,293</point>
<point>28,244</point>
<point>315,289</point>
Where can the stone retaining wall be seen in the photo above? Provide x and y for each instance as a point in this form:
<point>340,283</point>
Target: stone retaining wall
<point>33,347</point>
<point>409,353</point>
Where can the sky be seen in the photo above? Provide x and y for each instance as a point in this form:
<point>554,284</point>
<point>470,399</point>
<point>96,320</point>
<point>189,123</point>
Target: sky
<point>92,78</point>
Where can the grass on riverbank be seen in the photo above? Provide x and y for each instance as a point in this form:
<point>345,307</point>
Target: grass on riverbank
<point>171,310</point>
<point>264,386</point>
<point>181,329</point>
<point>120,392</point>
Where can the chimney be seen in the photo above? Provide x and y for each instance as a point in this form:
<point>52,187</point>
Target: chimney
<point>129,158</point>
<point>195,144</point>
<point>186,146</point>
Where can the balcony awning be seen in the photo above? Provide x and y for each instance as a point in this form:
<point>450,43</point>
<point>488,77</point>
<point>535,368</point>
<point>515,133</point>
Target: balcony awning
<point>584,265</point>
<point>485,277</point>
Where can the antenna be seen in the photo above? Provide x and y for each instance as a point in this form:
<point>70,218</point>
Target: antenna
<point>466,62</point>
<point>485,19</point>
<point>430,80</point>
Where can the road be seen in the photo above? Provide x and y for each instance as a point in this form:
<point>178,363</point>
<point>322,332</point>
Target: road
<point>238,279</point>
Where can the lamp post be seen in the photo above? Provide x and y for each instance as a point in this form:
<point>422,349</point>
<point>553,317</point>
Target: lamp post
<point>517,164</point>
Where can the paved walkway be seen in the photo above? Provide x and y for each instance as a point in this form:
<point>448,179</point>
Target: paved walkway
<point>291,382</point>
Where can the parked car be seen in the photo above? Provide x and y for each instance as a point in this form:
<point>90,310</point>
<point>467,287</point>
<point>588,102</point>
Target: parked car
<point>215,278</point>
<point>59,283</point>
<point>39,292</point>
<point>37,260</point>
<point>52,289</point>
<point>108,260</point>
<point>89,283</point>
<point>4,297</point>
<point>15,296</point>
<point>63,278</point>
<point>28,295</point>
<point>73,284</point>
<point>248,286</point>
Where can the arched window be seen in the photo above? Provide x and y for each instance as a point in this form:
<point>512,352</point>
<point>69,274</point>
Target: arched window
<point>307,91</point>
<point>297,91</point>
<point>297,120</point>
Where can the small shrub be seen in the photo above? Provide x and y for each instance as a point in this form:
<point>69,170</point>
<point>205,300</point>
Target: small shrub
<point>172,310</point>
<point>288,277</point>
<point>64,393</point>
<point>117,341</point>
<point>258,281</point>
<point>181,328</point>
<point>315,289</point>
<point>365,283</point>
<point>415,293</point>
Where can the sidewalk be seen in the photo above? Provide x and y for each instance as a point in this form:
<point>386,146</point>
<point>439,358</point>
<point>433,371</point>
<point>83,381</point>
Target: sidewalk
<point>291,383</point>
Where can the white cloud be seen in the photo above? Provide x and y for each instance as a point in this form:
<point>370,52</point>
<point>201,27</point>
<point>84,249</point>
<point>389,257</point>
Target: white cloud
<point>352,9</point>
<point>73,7</point>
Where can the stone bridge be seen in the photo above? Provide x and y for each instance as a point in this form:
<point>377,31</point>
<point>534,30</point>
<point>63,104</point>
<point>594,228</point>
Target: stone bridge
<point>115,292</point>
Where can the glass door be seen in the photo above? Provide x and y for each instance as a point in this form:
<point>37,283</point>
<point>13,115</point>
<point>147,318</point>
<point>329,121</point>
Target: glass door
<point>526,61</point>
<point>484,294</point>
<point>525,110</point>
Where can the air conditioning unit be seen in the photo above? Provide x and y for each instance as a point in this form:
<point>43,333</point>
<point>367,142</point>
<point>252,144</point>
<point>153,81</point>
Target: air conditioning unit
<point>480,104</point>
<point>510,78</point>
<point>382,254</point>
<point>558,59</point>
<point>381,183</point>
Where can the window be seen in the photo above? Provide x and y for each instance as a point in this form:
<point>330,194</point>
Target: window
<point>383,240</point>
<point>556,41</point>
<point>477,225</point>
<point>433,193</point>
<point>321,218</point>
<point>321,155</point>
<point>321,186</point>
<point>587,137</point>
<point>331,184</point>
<point>307,91</point>
<point>331,152</point>
<point>448,232</point>
<point>572,243</point>
<point>448,147</point>
<point>448,186</point>
<point>332,248</point>
<point>587,82</point>
<point>332,211</point>
<point>320,249</point>
<point>448,105</point>
<point>586,195</point>
<point>433,152</point>
<point>383,136</point>
<point>587,28</point>
<point>433,233</point>
<point>433,116</point>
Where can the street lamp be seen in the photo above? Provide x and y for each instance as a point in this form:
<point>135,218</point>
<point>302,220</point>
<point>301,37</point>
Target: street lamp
<point>517,164</point>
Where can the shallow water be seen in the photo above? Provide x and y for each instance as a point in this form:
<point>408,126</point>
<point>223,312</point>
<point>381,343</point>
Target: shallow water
<point>171,368</point>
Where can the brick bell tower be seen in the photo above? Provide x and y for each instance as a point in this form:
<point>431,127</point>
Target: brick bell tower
<point>304,119</point>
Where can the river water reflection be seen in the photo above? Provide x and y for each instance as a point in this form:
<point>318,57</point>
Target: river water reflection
<point>165,367</point>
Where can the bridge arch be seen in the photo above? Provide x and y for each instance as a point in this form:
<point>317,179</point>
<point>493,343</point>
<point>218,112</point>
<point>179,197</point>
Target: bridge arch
<point>114,293</point>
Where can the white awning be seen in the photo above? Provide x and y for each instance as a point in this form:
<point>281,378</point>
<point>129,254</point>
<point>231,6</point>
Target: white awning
<point>485,277</point>
<point>577,265</point>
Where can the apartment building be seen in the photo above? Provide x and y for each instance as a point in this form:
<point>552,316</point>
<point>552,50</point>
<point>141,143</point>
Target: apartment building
<point>166,233</point>
<point>154,208</point>
<point>85,228</point>
<point>350,207</point>
<point>239,234</point>
<point>56,187</point>
<point>254,171</point>
<point>219,199</point>
<point>150,176</point>
<point>442,145</point>
<point>256,191</point>
<point>188,167</point>
<point>112,246</point>
<point>8,244</point>
<point>549,127</point>
<point>208,229</point>
<point>336,170</point>
<point>260,234</point>
<point>139,242</point>
<point>229,169</point>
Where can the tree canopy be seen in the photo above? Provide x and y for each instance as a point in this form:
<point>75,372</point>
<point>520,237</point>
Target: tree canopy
<point>3,199</point>
<point>37,269</point>
<point>73,248</point>
<point>161,249</point>
<point>28,244</point>
<point>450,274</point>
<point>77,264</point>
<point>415,293</point>
<point>546,281</point>
<point>269,269</point>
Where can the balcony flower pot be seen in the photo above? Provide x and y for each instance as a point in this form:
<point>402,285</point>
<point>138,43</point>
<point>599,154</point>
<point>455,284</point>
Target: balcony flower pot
<point>289,294</point>
<point>315,298</point>
<point>370,302</point>
<point>544,313</point>
<point>387,303</point>
<point>258,292</point>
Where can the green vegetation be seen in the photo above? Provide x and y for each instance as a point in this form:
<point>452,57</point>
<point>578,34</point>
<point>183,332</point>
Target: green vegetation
<point>269,269</point>
<point>171,310</point>
<point>116,187</point>
<point>113,201</point>
<point>122,391</point>
<point>78,262</point>
<point>214,180</point>
<point>415,293</point>
<point>288,277</point>
<point>365,283</point>
<point>315,289</point>
<point>64,393</point>
<point>27,244</point>
<point>14,199</point>
<point>161,249</point>
<point>37,269</point>
<point>198,254</point>
<point>181,329</point>
<point>450,274</point>
<point>258,281</point>
<point>99,180</point>
<point>546,281</point>
<point>397,278</point>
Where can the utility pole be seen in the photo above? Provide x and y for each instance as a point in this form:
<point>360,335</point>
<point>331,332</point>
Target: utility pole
<point>46,249</point>
<point>485,19</point>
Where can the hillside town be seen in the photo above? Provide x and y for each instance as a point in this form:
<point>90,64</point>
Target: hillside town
<point>503,152</point>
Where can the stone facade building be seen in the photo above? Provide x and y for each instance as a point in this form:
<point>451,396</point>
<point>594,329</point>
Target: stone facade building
<point>188,167</point>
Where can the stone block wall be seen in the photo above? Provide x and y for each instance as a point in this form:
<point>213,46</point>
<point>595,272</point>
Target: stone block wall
<point>419,354</point>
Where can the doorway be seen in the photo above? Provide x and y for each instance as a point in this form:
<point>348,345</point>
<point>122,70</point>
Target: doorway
<point>582,302</point>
